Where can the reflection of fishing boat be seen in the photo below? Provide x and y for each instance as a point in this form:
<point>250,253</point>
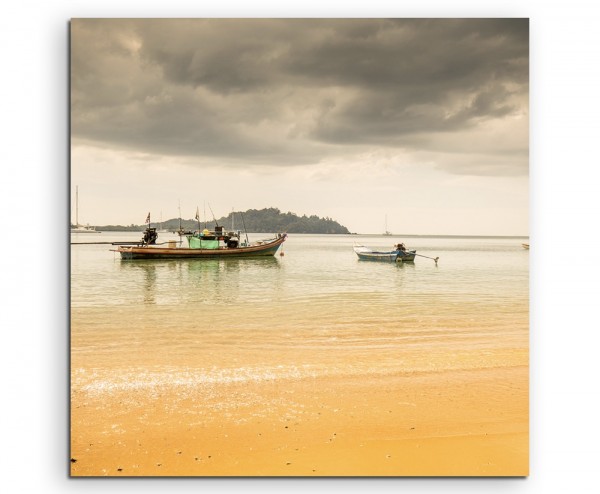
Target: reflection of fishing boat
<point>397,255</point>
<point>205,244</point>
<point>525,246</point>
<point>77,228</point>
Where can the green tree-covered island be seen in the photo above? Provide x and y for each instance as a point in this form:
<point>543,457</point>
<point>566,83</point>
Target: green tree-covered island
<point>268,220</point>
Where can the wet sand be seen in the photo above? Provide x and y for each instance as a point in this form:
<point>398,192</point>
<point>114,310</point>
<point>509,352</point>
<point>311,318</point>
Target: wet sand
<point>450,423</point>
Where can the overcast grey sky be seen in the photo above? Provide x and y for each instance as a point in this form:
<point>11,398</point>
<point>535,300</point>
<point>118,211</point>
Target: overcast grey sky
<point>424,121</point>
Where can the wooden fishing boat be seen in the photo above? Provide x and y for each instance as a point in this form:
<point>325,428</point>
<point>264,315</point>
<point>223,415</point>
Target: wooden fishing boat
<point>205,245</point>
<point>397,255</point>
<point>525,246</point>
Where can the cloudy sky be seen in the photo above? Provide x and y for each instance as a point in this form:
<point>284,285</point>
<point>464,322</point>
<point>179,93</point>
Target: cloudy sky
<point>422,122</point>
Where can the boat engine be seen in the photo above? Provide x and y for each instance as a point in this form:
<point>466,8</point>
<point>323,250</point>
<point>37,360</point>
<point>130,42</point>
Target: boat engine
<point>150,236</point>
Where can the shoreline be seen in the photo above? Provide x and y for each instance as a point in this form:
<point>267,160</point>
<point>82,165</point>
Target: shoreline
<point>373,425</point>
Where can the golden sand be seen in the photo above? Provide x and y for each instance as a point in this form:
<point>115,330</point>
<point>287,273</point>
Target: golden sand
<point>450,423</point>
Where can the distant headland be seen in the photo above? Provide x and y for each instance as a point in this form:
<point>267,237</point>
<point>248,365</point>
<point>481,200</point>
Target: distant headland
<point>268,220</point>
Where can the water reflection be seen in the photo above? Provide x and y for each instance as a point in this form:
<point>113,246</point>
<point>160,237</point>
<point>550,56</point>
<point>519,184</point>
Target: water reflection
<point>150,284</point>
<point>143,275</point>
<point>215,281</point>
<point>229,265</point>
<point>204,281</point>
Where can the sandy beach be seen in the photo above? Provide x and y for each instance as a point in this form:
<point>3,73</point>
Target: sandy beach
<point>451,423</point>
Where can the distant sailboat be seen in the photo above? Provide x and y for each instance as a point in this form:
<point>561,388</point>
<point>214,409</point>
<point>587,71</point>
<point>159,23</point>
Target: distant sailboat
<point>386,233</point>
<point>80,228</point>
<point>161,229</point>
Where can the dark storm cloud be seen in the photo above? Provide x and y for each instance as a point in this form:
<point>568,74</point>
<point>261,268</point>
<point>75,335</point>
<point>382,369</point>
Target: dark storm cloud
<point>292,91</point>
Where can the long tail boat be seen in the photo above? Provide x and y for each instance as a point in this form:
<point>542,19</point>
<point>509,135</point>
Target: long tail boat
<point>205,244</point>
<point>397,255</point>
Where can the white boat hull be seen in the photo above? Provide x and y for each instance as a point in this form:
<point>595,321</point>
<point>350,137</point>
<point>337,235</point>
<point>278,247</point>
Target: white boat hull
<point>366,254</point>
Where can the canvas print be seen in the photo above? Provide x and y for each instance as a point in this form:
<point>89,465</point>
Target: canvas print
<point>299,247</point>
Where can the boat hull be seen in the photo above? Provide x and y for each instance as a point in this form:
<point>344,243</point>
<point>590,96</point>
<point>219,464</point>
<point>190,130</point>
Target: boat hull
<point>365,254</point>
<point>407,256</point>
<point>385,257</point>
<point>152,252</point>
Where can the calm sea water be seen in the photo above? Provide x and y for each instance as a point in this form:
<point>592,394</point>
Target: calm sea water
<point>316,310</point>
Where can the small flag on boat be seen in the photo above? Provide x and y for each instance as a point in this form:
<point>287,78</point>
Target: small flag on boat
<point>148,218</point>
<point>197,214</point>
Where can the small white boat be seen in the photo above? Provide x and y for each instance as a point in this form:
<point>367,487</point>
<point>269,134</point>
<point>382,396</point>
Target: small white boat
<point>84,229</point>
<point>398,255</point>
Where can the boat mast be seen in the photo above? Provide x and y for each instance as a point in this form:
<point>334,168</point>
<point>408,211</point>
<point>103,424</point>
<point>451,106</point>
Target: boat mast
<point>76,206</point>
<point>213,215</point>
<point>199,230</point>
<point>245,231</point>
<point>180,231</point>
<point>387,232</point>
